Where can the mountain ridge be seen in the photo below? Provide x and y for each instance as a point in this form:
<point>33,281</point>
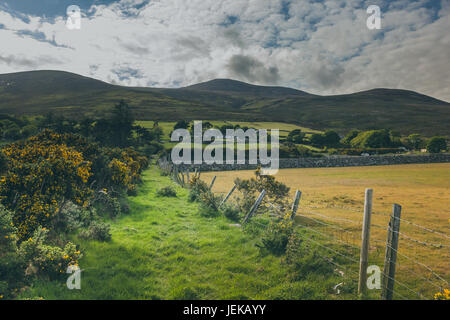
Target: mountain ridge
<point>37,92</point>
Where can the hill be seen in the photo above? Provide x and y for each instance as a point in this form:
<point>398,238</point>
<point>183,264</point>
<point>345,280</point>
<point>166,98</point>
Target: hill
<point>39,92</point>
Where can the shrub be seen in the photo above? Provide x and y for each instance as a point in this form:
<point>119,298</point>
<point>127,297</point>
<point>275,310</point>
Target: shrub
<point>72,217</point>
<point>99,231</point>
<point>276,236</point>
<point>230,211</point>
<point>107,204</point>
<point>206,211</point>
<point>12,266</point>
<point>45,260</point>
<point>168,191</point>
<point>40,176</point>
<point>436,145</point>
<point>305,262</point>
<point>197,188</point>
<point>277,193</point>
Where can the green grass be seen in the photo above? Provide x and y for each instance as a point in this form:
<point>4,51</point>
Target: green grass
<point>164,249</point>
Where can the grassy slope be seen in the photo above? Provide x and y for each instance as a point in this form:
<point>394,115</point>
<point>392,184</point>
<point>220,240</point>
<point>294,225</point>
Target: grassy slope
<point>165,250</point>
<point>74,96</point>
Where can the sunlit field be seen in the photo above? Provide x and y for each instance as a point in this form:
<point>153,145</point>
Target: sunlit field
<point>336,195</point>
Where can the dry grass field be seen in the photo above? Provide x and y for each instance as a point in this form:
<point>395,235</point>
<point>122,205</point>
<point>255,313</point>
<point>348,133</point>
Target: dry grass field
<point>336,195</point>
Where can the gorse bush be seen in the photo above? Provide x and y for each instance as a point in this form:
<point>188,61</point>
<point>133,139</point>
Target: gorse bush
<point>276,236</point>
<point>12,266</point>
<point>303,261</point>
<point>98,230</point>
<point>230,211</point>
<point>197,189</point>
<point>277,193</point>
<point>51,185</point>
<point>168,191</point>
<point>49,169</point>
<point>46,260</point>
<point>207,211</point>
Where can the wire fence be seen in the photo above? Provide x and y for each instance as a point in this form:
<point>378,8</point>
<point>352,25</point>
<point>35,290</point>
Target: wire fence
<point>340,238</point>
<point>410,283</point>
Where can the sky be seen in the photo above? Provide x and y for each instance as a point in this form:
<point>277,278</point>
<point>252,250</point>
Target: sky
<point>322,47</point>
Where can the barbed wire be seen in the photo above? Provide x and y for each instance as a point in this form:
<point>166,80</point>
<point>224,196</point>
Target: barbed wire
<point>330,249</point>
<point>332,218</point>
<point>401,266</point>
<point>421,242</point>
<point>416,262</point>
<point>422,227</point>
<point>404,286</point>
<point>328,236</point>
<point>385,214</point>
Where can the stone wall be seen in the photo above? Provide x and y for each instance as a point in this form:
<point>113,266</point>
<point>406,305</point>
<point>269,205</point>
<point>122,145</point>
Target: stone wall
<point>331,161</point>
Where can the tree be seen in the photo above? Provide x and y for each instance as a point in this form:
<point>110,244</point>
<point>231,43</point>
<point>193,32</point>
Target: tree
<point>414,141</point>
<point>372,139</point>
<point>331,138</point>
<point>182,124</point>
<point>121,124</point>
<point>437,144</point>
<point>296,136</point>
<point>317,140</point>
<point>350,136</point>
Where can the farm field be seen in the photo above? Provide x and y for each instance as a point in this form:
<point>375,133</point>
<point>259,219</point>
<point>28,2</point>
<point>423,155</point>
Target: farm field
<point>336,195</point>
<point>284,128</point>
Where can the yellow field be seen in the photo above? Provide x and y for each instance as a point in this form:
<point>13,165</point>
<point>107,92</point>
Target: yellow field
<point>423,191</point>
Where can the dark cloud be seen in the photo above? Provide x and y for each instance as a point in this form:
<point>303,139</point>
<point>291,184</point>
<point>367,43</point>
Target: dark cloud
<point>328,76</point>
<point>134,48</point>
<point>234,36</point>
<point>193,43</point>
<point>251,69</point>
<point>29,63</point>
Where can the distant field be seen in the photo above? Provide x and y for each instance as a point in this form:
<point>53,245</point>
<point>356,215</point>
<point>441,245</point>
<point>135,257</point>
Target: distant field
<point>423,191</point>
<point>284,128</point>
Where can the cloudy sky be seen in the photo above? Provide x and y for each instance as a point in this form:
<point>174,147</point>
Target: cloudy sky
<point>322,47</point>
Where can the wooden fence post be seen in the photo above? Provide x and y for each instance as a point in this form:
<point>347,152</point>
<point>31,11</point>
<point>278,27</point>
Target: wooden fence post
<point>188,178</point>
<point>391,254</point>
<point>255,206</point>
<point>212,182</point>
<point>182,174</point>
<point>229,194</point>
<point>298,194</point>
<point>364,255</point>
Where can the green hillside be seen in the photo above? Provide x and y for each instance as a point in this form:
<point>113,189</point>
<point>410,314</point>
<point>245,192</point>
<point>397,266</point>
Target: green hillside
<point>405,111</point>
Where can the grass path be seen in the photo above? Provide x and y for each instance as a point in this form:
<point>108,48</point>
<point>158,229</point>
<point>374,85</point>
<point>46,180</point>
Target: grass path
<point>164,249</point>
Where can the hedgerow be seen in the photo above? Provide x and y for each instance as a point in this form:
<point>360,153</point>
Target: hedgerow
<point>51,185</point>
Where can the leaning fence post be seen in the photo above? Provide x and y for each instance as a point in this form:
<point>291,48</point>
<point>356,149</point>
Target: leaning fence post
<point>391,254</point>
<point>229,194</point>
<point>182,175</point>
<point>298,194</point>
<point>255,206</point>
<point>364,255</point>
<point>212,182</point>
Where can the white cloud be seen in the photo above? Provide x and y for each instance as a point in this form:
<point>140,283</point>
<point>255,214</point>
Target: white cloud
<point>324,48</point>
